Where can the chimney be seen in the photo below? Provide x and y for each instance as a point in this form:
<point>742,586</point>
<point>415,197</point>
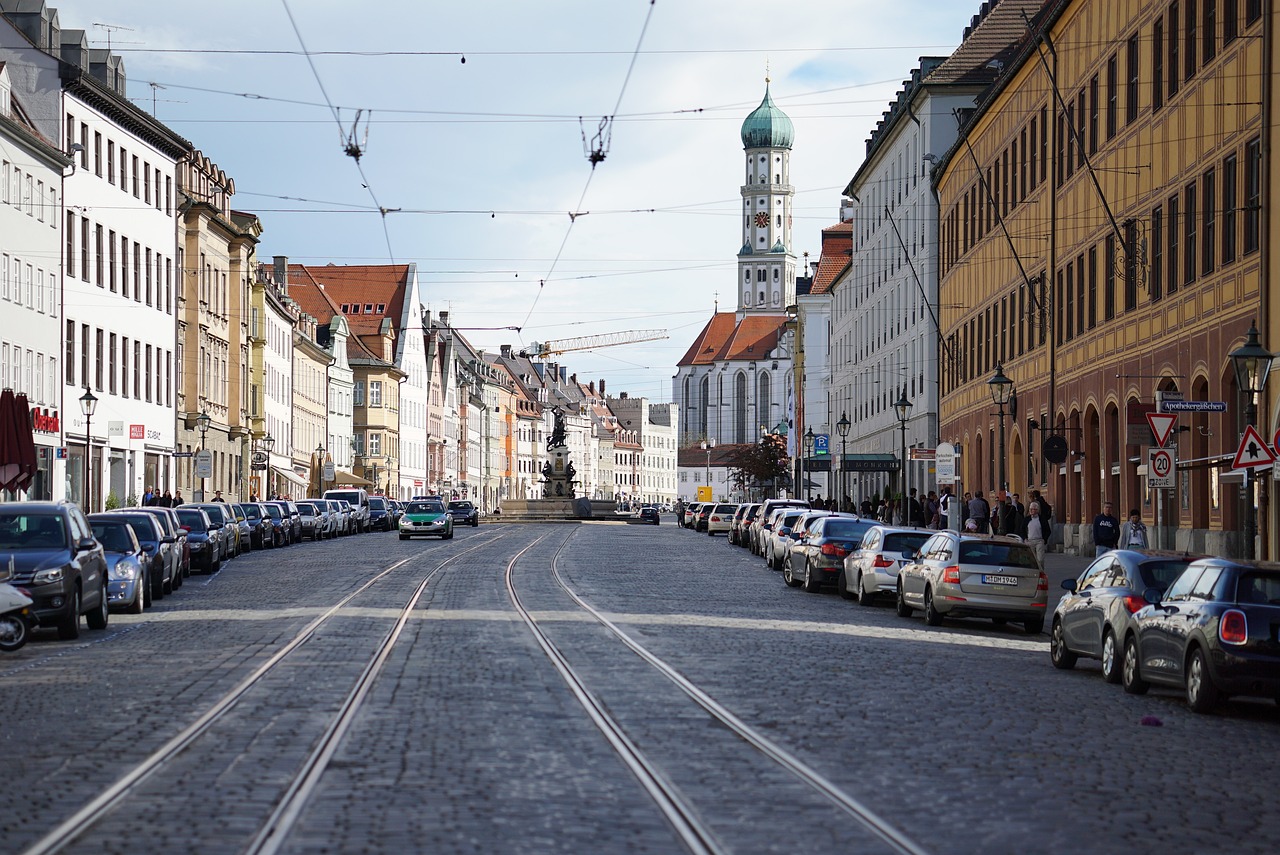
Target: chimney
<point>444,318</point>
<point>280,269</point>
<point>573,378</point>
<point>601,387</point>
<point>564,374</point>
<point>506,351</point>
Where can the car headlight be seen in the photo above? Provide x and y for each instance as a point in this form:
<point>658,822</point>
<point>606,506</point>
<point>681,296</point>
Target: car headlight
<point>124,571</point>
<point>45,577</point>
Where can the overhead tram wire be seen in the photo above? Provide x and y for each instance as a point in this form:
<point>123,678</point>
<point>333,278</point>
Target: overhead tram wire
<point>573,215</point>
<point>368,185</point>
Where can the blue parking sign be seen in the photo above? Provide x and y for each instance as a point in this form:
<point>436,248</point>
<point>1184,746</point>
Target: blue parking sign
<point>821,443</point>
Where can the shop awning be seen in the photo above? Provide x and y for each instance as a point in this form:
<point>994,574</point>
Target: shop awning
<point>290,475</point>
<point>346,479</point>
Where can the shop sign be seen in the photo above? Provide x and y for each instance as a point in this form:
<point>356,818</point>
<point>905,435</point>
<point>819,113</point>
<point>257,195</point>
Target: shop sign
<point>44,421</point>
<point>137,431</point>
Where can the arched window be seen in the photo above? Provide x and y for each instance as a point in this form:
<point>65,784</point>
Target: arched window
<point>764,400</point>
<point>740,407</point>
<point>704,404</point>
<point>746,297</point>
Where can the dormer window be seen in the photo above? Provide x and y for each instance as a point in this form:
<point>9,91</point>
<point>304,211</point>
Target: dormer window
<point>368,308</point>
<point>346,307</point>
<point>382,307</point>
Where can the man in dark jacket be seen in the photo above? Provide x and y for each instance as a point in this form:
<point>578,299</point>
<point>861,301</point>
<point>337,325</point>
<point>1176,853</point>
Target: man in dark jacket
<point>1106,530</point>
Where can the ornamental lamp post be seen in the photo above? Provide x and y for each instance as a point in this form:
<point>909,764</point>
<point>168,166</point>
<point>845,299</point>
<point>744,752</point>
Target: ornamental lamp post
<point>1001,391</point>
<point>842,428</point>
<point>1252,362</point>
<point>88,405</point>
<point>202,424</point>
<point>903,408</point>
<point>804,469</point>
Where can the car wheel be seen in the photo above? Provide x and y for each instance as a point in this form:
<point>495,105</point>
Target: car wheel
<point>1033,626</point>
<point>157,586</point>
<point>931,615</point>
<point>1058,652</point>
<point>902,608</point>
<point>791,581</point>
<point>69,625</point>
<point>1111,660</point>
<point>98,618</point>
<point>1131,669</point>
<point>475,522</point>
<point>448,536</point>
<point>136,607</point>
<point>1202,695</point>
<point>842,586</point>
<point>167,587</point>
<point>144,588</point>
<point>177,580</point>
<point>811,585</point>
<point>865,597</point>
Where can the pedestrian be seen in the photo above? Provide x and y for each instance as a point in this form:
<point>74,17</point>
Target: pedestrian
<point>217,496</point>
<point>1046,510</point>
<point>1133,534</point>
<point>1012,520</point>
<point>1106,531</point>
<point>866,509</point>
<point>253,497</point>
<point>177,498</point>
<point>980,512</point>
<point>964,507</point>
<point>915,513</point>
<point>1017,503</point>
<point>1035,531</point>
<point>149,497</point>
<point>165,501</point>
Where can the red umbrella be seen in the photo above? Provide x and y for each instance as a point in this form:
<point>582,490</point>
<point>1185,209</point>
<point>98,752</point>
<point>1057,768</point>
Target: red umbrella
<point>10,445</point>
<point>26,442</point>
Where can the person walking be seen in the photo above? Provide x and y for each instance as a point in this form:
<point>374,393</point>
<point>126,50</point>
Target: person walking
<point>980,512</point>
<point>177,498</point>
<point>1106,531</point>
<point>1035,531</point>
<point>149,497</point>
<point>1133,534</point>
<point>1011,519</point>
<point>165,501</point>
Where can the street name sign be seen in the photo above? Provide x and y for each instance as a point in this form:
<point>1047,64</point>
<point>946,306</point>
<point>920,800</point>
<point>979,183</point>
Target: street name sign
<point>1253,452</point>
<point>1195,406</point>
<point>1160,469</point>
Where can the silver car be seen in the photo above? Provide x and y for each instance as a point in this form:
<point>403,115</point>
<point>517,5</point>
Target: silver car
<point>990,576</point>
<point>341,513</point>
<point>873,567</point>
<point>775,542</point>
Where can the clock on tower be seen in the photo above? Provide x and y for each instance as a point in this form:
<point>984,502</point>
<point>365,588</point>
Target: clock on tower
<point>762,220</point>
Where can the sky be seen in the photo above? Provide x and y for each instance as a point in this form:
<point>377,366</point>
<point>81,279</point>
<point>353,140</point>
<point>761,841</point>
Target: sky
<point>473,121</point>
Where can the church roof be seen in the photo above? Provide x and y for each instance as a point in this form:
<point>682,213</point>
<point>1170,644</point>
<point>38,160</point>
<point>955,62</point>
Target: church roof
<point>725,339</point>
<point>837,255</point>
<point>767,126</point>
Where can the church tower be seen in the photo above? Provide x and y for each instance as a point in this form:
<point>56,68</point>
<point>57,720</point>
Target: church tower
<point>766,262</point>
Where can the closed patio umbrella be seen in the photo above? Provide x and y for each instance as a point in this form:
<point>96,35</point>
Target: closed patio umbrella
<point>26,442</point>
<point>10,450</point>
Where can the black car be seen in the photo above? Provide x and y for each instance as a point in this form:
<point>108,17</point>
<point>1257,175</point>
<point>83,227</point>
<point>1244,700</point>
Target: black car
<point>649,516</point>
<point>201,537</point>
<point>58,561</point>
<point>701,518</point>
<point>168,520</point>
<point>1094,618</point>
<point>1212,634</point>
<point>464,513</point>
<point>380,514</point>
<point>261,528</point>
<point>291,518</point>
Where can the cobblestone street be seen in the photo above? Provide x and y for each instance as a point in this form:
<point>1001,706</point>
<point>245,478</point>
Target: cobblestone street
<point>961,738</point>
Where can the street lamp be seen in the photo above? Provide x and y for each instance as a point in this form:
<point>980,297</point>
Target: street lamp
<point>842,428</point>
<point>808,452</point>
<point>88,404</point>
<point>387,466</point>
<point>903,408</point>
<point>1252,362</point>
<point>707,445</point>
<point>1001,391</point>
<point>202,425</point>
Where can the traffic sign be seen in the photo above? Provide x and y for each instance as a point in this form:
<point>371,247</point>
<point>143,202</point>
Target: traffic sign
<point>328,473</point>
<point>945,463</point>
<point>1161,425</point>
<point>1195,406</point>
<point>1253,452</point>
<point>1160,469</point>
<point>922,453</point>
<point>821,444</point>
<point>204,463</point>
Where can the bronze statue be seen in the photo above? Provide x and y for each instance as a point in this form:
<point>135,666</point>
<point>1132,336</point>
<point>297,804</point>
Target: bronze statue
<point>557,438</point>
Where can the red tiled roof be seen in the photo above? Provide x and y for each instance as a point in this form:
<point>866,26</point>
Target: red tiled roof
<point>313,299</point>
<point>837,246</point>
<point>710,340</point>
<point>753,337</point>
<point>376,284</point>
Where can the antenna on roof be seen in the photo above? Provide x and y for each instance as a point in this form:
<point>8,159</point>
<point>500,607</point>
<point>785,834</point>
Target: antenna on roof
<point>110,28</point>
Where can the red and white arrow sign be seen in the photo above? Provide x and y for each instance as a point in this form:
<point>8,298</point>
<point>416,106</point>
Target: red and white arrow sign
<point>1162,425</point>
<point>1253,452</point>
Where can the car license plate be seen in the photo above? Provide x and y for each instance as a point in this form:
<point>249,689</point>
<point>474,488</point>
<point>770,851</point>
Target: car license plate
<point>999,580</point>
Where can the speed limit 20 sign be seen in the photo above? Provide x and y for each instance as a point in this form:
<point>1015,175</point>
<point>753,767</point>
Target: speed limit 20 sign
<point>1160,468</point>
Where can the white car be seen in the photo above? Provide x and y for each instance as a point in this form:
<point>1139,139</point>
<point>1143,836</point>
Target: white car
<point>873,567</point>
<point>721,519</point>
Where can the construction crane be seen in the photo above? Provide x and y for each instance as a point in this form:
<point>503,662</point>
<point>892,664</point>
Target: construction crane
<point>541,350</point>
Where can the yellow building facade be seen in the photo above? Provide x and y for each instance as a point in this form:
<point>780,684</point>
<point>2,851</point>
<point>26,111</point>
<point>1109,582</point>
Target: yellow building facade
<point>1100,241</point>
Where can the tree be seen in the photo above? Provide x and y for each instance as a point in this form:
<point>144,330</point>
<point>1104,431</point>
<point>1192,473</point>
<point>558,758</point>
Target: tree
<point>762,465</point>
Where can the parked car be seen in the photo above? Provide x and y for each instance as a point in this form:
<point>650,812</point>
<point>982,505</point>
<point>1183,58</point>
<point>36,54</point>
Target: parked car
<point>281,526</point>
<point>290,517</point>
<point>702,518</point>
<point>261,526</point>
<point>1096,615</point>
<point>873,566</point>
<point>755,533</point>
<point>380,514</point>
<point>690,513</point>
<point>990,576</point>
<point>818,555</point>
<point>227,540</point>
<point>464,513</point>
<point>128,588</point>
<point>798,529</point>
<point>314,521</point>
<point>203,535</point>
<point>1211,634</point>
<point>741,519</point>
<point>242,523</point>
<point>426,517</point>
<point>163,562</point>
<point>341,516</point>
<point>777,537</point>
<point>56,558</point>
<point>358,499</point>
<point>721,518</point>
<point>173,528</point>
<point>650,516</point>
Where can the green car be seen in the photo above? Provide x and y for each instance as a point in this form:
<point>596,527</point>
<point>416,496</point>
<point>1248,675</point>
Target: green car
<point>426,516</point>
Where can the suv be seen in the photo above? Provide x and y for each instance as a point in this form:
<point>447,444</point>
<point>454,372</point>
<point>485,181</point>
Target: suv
<point>56,558</point>
<point>464,513</point>
<point>358,499</point>
<point>993,576</point>
<point>757,532</point>
<point>380,513</point>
